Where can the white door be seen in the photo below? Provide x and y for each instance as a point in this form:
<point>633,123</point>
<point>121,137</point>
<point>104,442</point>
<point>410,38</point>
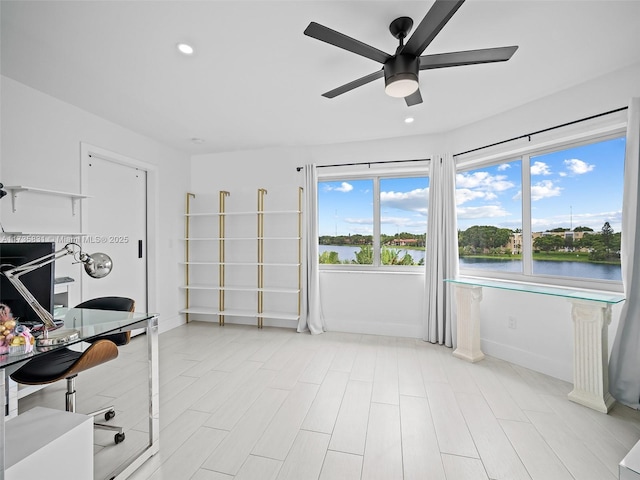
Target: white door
<point>116,224</point>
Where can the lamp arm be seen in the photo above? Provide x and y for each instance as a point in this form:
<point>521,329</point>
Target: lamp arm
<point>42,313</point>
<point>13,275</point>
<point>37,263</point>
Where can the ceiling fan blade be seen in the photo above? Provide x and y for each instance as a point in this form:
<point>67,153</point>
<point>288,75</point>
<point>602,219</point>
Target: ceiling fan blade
<point>469,57</point>
<point>355,84</point>
<point>325,34</point>
<point>436,18</point>
<point>414,99</point>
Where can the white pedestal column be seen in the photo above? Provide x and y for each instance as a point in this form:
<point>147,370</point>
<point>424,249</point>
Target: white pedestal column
<point>591,355</point>
<point>468,299</point>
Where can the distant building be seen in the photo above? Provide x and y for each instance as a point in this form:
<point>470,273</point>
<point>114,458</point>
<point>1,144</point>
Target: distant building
<point>403,242</point>
<point>515,241</point>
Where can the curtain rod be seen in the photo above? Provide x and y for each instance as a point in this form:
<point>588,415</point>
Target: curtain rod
<point>528,135</point>
<point>368,163</point>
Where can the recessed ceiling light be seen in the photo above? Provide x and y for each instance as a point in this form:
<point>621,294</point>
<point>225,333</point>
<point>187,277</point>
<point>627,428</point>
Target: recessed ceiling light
<point>185,48</point>
<point>408,120</point>
<point>197,140</point>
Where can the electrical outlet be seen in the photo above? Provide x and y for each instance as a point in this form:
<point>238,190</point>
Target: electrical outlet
<point>513,323</point>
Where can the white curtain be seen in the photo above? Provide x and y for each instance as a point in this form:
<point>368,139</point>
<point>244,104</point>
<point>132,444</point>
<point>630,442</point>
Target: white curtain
<point>442,252</point>
<point>311,314</point>
<point>624,371</point>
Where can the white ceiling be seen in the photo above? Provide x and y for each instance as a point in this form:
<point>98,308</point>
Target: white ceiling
<point>256,80</point>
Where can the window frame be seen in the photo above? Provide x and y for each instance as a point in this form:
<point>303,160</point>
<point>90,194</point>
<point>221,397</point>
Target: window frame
<point>524,154</point>
<point>376,175</point>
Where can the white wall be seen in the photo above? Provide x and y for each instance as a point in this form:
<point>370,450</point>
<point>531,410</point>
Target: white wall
<point>40,147</point>
<point>392,304</point>
<point>388,304</point>
<point>543,339</point>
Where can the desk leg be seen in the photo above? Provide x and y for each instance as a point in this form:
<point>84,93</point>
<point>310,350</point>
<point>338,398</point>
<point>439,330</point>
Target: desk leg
<point>590,355</point>
<point>154,388</point>
<point>154,402</point>
<point>468,299</point>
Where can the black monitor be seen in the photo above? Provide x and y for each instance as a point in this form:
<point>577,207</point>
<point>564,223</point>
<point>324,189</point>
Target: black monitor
<point>39,282</point>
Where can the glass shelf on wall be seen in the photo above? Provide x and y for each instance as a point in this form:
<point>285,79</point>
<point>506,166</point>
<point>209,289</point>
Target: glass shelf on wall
<point>566,292</point>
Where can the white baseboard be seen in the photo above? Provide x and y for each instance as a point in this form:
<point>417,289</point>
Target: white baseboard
<point>538,363</point>
<point>374,328</point>
<point>165,324</point>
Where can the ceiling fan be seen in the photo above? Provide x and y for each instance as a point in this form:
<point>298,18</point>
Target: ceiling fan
<point>400,71</point>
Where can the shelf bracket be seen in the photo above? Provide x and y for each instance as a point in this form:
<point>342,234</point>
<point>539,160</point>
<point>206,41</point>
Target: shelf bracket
<point>74,202</point>
<point>14,199</point>
<point>16,189</point>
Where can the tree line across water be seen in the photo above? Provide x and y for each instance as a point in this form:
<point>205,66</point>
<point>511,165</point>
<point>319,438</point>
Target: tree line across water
<point>598,246</point>
<point>486,241</point>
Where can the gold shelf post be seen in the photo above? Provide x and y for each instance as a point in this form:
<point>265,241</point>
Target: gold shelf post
<point>261,193</point>
<point>186,253</point>
<point>221,219</point>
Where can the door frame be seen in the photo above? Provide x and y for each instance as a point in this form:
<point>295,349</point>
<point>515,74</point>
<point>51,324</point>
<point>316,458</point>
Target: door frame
<point>86,152</point>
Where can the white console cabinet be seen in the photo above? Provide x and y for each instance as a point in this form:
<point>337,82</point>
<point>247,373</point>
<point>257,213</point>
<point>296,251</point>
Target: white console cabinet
<point>47,443</point>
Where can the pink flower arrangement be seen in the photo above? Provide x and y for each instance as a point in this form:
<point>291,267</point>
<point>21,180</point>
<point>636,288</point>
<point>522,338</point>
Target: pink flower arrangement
<point>14,338</point>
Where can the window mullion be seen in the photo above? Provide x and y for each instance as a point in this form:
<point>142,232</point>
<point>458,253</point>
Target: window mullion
<point>527,243</point>
<point>376,222</point>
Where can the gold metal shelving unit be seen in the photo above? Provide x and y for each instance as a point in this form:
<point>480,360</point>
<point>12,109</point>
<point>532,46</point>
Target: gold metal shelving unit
<point>260,288</point>
<point>221,224</point>
<point>261,193</point>
<point>186,253</point>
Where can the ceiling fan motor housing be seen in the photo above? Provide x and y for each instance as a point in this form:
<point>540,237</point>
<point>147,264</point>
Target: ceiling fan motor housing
<point>399,68</point>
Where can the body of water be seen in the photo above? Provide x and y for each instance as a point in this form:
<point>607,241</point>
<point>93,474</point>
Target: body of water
<point>540,267</point>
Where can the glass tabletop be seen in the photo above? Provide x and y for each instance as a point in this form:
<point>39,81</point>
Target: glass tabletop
<point>88,323</point>
<point>578,294</point>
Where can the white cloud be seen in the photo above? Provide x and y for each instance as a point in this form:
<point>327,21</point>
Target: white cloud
<point>503,167</point>
<point>490,196</point>
<point>540,168</point>
<point>544,189</point>
<point>485,211</point>
<point>344,187</point>
<point>464,195</point>
<point>359,221</point>
<point>592,220</point>
<point>578,167</point>
<point>413,201</point>
<point>483,181</point>
<point>406,224</point>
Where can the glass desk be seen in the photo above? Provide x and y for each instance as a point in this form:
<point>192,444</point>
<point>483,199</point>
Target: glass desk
<point>91,324</point>
<point>591,315</point>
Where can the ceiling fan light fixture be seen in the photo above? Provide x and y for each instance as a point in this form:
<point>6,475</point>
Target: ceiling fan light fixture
<point>185,49</point>
<point>401,76</point>
<point>401,85</point>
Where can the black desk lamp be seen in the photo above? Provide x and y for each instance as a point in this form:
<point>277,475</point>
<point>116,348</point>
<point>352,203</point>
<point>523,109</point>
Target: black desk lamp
<point>97,265</point>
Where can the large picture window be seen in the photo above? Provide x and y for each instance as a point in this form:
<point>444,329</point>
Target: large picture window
<point>489,205</point>
<point>374,221</point>
<point>554,213</point>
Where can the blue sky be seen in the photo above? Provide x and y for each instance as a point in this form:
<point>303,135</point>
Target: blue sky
<point>347,206</point>
<point>581,186</point>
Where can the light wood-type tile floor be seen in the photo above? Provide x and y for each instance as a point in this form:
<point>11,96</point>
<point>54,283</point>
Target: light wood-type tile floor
<point>241,403</point>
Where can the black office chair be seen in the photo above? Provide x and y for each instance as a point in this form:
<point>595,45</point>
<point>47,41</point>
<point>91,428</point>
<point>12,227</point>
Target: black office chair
<point>67,363</point>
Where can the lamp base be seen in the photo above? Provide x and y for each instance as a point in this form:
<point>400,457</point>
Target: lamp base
<point>55,338</point>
